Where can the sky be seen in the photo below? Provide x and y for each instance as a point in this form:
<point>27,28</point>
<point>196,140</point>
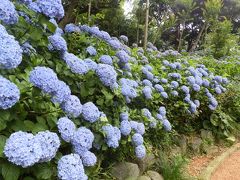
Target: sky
<point>128,7</point>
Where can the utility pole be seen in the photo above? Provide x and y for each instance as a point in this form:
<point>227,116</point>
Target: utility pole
<point>146,25</point>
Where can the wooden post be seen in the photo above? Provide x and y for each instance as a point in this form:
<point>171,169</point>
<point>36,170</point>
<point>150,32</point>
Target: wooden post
<point>146,25</point>
<point>89,10</point>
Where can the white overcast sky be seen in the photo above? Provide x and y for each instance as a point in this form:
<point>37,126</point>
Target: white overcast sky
<point>128,7</point>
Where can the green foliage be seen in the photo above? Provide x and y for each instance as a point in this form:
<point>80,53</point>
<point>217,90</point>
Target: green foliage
<point>220,40</point>
<point>172,168</point>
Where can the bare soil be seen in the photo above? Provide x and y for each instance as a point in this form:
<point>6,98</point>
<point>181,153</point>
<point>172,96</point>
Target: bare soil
<point>198,163</point>
<point>229,169</point>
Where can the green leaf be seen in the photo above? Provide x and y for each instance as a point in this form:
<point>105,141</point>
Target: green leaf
<point>10,171</point>
<point>2,144</point>
<point>43,171</point>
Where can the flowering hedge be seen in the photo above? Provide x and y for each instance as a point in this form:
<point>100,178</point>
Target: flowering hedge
<point>67,96</point>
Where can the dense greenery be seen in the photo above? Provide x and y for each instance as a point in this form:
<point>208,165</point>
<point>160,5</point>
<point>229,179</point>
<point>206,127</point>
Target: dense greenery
<point>216,62</point>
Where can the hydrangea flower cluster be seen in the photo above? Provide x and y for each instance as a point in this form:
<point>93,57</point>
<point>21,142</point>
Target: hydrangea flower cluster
<point>76,65</point>
<point>113,135</point>
<point>71,167</point>
<point>9,93</point>
<point>124,38</point>
<point>106,59</point>
<point>91,64</point>
<point>57,43</point>
<point>46,79</point>
<point>66,128</point>
<point>106,74</point>
<point>8,13</point>
<point>123,57</point>
<point>10,50</point>
<point>91,50</point>
<point>51,8</point>
<point>25,149</point>
<point>71,28</point>
<point>147,72</point>
<point>128,88</point>
<point>147,91</point>
<point>90,112</point>
<point>162,117</point>
<point>27,48</point>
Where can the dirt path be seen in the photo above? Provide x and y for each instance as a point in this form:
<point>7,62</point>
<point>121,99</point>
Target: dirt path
<point>229,168</point>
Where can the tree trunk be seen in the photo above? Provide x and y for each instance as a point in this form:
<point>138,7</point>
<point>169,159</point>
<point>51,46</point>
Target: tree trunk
<point>89,11</point>
<point>180,36</point>
<point>194,45</point>
<point>69,16</point>
<point>137,33</point>
<point>146,25</point>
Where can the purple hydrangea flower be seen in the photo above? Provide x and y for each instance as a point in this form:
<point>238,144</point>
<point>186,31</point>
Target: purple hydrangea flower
<point>123,56</point>
<point>58,43</point>
<point>91,64</point>
<point>66,128</point>
<point>147,91</point>
<point>72,106</point>
<point>137,139</point>
<point>10,50</point>
<point>8,14</point>
<point>71,167</point>
<point>90,112</point>
<point>106,59</point>
<point>107,74</point>
<point>113,135</point>
<point>9,93</point>
<point>23,149</point>
<point>140,151</point>
<point>91,50</point>
<point>125,128</point>
<point>71,28</point>
<point>88,159</point>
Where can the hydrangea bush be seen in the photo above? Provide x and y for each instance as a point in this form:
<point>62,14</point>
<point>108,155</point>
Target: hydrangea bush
<point>69,96</point>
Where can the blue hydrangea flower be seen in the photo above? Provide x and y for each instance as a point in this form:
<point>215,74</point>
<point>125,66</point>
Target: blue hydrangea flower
<point>114,44</point>
<point>128,91</point>
<point>113,135</point>
<point>61,93</point>
<point>91,50</point>
<point>166,124</point>
<point>166,63</point>
<point>125,128</point>
<point>51,8</point>
<point>8,14</point>
<point>196,87</point>
<point>23,149</point>
<point>71,28</point>
<point>187,98</point>
<point>25,1</point>
<point>197,102</point>
<point>34,7</point>
<point>27,48</point>
<point>72,106</point>
<point>66,128</point>
<point>147,91</point>
<point>106,74</point>
<point>124,116</point>
<point>138,127</point>
<point>174,93</point>
<point>162,111</point>
<point>106,59</point>
<point>91,64</point>
<point>88,159</point>
<point>9,93</point>
<point>50,143</point>
<point>164,81</point>
<point>159,88</point>
<point>146,113</point>
<point>174,84</point>
<point>218,90</point>
<point>193,107</point>
<point>148,67</point>
<point>137,139</point>
<point>10,50</point>
<point>76,65</point>
<point>153,123</point>
<point>124,38</point>
<point>58,43</point>
<point>123,56</point>
<point>185,89</point>
<point>160,117</point>
<point>71,167</point>
<point>58,29</point>
<point>140,151</point>
<point>146,82</point>
<point>82,139</point>
<point>205,83</point>
<point>43,78</point>
<point>191,79</point>
<point>164,95</point>
<point>90,112</point>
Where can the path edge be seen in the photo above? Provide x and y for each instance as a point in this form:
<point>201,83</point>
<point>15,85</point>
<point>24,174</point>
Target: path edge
<point>213,165</point>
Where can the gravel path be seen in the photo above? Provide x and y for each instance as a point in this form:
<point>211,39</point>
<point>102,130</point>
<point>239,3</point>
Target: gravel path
<point>229,168</point>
